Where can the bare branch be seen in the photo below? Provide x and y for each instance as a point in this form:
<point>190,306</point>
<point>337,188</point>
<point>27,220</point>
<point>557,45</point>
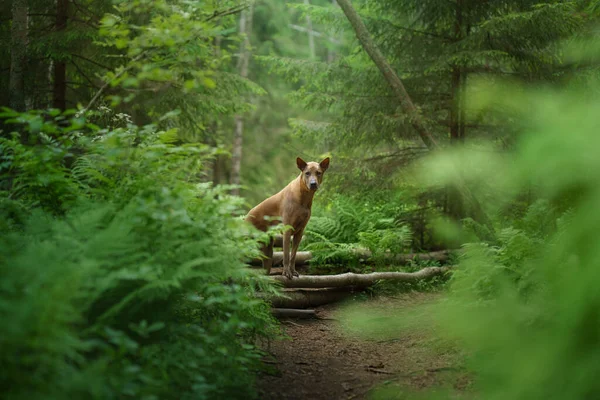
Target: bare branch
<point>314,33</point>
<point>107,83</point>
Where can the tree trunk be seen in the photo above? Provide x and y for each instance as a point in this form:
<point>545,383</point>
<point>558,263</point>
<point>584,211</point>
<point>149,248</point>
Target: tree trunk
<point>59,92</point>
<point>215,164</point>
<point>463,105</point>
<point>390,76</point>
<point>236,154</point>
<point>455,105</point>
<point>455,206</point>
<point>306,298</point>
<point>18,54</point>
<point>407,105</point>
<point>311,38</point>
<point>455,201</point>
<point>350,279</point>
<point>243,61</point>
<point>293,313</point>
<point>330,52</point>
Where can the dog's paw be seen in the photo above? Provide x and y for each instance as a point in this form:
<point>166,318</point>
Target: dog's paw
<point>288,273</point>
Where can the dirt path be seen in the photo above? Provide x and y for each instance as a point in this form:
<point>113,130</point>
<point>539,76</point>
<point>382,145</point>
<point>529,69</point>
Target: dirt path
<point>324,361</point>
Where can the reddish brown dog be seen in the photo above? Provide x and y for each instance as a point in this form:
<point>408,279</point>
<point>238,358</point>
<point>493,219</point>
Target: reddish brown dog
<point>292,207</point>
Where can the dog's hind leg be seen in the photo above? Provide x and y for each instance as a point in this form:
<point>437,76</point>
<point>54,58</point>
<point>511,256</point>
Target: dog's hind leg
<point>267,250</point>
<point>287,270</point>
<point>295,244</point>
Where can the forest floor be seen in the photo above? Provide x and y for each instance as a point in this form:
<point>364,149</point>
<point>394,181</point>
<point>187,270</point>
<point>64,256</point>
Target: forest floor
<point>332,357</point>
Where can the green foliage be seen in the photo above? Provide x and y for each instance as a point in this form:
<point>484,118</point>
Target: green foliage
<point>437,48</point>
<point>524,306</point>
<point>120,276</point>
<point>170,47</point>
<point>347,226</point>
<point>547,328</point>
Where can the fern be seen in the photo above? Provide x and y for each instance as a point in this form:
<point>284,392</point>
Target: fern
<point>349,226</point>
<point>112,271</point>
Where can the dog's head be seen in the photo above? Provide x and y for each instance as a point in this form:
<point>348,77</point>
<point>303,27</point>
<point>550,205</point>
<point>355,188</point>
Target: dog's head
<point>312,172</point>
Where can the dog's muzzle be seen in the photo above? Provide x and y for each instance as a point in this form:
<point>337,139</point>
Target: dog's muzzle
<point>314,186</point>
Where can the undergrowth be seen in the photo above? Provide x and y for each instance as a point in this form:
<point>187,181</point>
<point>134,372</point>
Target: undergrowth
<point>523,304</point>
<point>121,276</point>
<point>349,232</point>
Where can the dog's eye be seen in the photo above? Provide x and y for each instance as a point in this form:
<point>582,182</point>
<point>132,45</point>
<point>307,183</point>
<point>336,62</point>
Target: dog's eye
<point>319,173</point>
<point>308,174</point>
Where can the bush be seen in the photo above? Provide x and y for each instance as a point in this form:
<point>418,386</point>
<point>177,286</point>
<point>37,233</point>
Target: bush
<point>120,276</point>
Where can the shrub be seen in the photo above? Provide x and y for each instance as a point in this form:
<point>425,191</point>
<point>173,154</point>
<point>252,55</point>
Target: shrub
<point>120,275</point>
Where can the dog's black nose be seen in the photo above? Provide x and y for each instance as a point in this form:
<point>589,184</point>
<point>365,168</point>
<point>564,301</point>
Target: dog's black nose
<point>313,185</point>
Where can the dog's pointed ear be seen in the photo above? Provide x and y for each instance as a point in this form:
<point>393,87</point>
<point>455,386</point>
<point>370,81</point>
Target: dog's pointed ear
<point>324,164</point>
<point>300,163</point>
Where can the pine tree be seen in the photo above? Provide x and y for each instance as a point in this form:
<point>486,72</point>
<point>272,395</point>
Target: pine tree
<point>435,47</point>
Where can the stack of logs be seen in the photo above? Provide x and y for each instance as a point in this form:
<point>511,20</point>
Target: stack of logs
<point>314,290</point>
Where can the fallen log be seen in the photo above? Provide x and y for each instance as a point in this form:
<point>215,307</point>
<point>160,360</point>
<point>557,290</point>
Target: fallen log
<point>306,298</point>
<point>278,241</point>
<point>302,269</point>
<point>303,257</point>
<point>293,313</point>
<point>358,280</point>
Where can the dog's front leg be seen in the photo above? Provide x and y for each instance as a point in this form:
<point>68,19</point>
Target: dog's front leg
<point>287,270</point>
<point>295,244</point>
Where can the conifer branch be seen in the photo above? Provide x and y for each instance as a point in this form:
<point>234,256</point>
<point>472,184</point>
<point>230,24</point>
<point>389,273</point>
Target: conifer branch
<point>408,107</point>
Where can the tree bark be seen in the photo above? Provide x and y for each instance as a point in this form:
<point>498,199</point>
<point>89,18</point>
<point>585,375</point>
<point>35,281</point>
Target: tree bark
<point>455,206</point>
<point>18,54</point>
<point>307,298</point>
<point>462,106</point>
<point>358,280</point>
<point>407,105</point>
<point>455,105</point>
<point>59,92</point>
<point>243,61</point>
<point>311,38</point>
<point>293,313</point>
<point>330,52</point>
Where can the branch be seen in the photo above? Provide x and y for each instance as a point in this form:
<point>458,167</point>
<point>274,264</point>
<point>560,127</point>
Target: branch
<point>232,10</point>
<point>418,31</point>
<point>400,153</point>
<point>314,33</point>
<point>83,74</point>
<point>91,61</point>
<point>107,83</point>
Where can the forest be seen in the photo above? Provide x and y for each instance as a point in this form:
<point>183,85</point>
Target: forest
<point>450,249</point>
